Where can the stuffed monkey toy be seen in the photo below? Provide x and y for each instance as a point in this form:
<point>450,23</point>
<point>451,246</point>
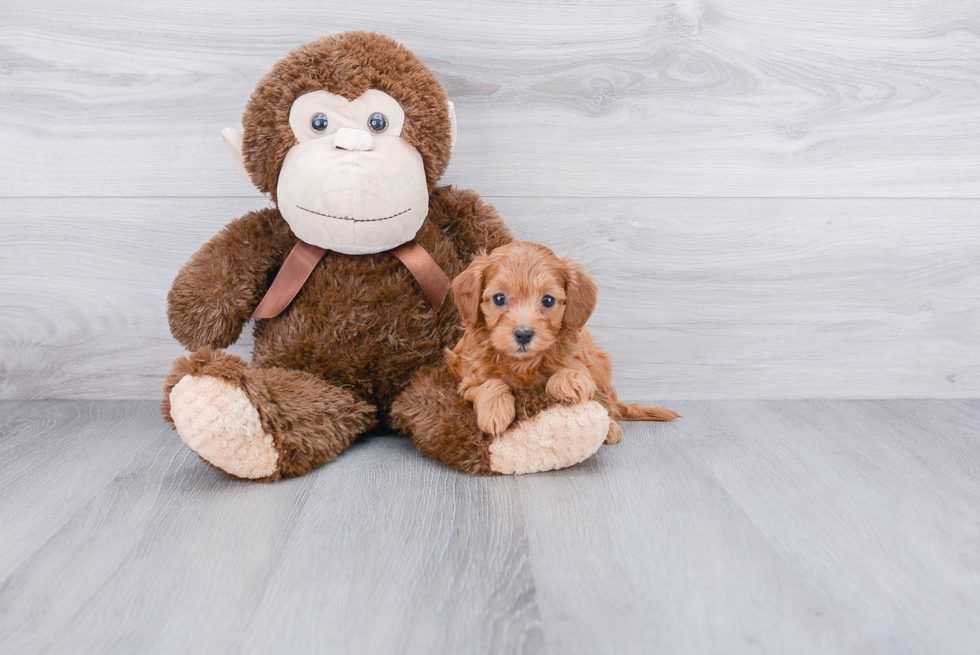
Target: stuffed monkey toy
<point>347,279</point>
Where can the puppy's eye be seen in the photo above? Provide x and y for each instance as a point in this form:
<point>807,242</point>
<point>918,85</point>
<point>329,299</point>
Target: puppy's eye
<point>500,300</point>
<point>319,122</point>
<point>548,301</point>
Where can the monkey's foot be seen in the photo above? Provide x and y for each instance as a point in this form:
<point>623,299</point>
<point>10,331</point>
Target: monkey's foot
<point>546,436</point>
<point>554,438</point>
<point>260,423</point>
<point>218,422</point>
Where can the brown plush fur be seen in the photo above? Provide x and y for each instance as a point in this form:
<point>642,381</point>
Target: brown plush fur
<point>360,322</point>
<point>346,64</point>
<point>331,365</point>
<point>561,355</point>
<point>311,421</point>
<point>443,425</point>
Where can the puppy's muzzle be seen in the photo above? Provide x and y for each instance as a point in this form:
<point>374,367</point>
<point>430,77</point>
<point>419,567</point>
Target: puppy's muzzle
<point>523,336</point>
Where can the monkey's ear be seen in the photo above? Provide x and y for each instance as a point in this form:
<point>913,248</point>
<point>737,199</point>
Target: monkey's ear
<point>233,141</point>
<point>452,123</point>
<point>581,295</point>
<point>468,289</point>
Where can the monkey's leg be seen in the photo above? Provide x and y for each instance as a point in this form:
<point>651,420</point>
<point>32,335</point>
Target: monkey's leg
<point>546,436</point>
<point>260,424</point>
<point>442,423</point>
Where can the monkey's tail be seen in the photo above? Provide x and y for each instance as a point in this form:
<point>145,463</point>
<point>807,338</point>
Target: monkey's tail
<point>633,412</point>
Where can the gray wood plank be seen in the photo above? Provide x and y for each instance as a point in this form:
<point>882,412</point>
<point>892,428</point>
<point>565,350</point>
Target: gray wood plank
<point>362,556</point>
<point>747,526</point>
<point>876,504</point>
<point>54,459</point>
<point>408,553</point>
<point>571,98</point>
<point>641,550</point>
<point>767,526</point>
<point>168,530</point>
<point>749,298</point>
<point>703,298</point>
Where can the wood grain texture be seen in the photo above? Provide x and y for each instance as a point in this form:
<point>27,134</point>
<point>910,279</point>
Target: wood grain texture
<point>621,131</point>
<point>570,98</point>
<point>172,556</point>
<point>699,298</point>
<point>877,474</point>
<point>655,553</point>
<point>768,527</point>
<point>744,527</point>
<point>82,447</point>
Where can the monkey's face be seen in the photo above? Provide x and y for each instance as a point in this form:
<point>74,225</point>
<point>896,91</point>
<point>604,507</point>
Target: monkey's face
<point>351,184</point>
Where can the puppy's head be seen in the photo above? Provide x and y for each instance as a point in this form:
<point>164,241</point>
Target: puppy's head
<point>523,294</point>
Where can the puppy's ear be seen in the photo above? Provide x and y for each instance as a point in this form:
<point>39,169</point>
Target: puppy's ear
<point>468,288</point>
<point>581,294</point>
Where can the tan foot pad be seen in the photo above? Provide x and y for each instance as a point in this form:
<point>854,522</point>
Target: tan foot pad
<point>558,437</point>
<point>217,421</point>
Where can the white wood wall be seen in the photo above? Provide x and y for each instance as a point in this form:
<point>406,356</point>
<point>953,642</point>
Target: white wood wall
<point>778,199</point>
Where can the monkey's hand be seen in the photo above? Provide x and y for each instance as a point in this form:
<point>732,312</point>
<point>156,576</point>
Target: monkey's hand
<point>215,293</point>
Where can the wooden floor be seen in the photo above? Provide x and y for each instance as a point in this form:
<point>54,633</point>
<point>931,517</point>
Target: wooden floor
<point>747,526</point>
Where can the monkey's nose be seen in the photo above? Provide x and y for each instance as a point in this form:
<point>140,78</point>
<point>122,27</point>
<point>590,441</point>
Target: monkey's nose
<point>347,138</point>
<point>523,335</point>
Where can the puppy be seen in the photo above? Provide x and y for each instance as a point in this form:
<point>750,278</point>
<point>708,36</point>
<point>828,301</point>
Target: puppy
<point>524,312</point>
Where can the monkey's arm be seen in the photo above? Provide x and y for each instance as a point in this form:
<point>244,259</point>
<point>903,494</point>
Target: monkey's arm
<point>473,225</point>
<point>215,293</point>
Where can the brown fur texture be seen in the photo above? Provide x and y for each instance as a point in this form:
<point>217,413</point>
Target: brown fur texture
<point>331,364</point>
<point>311,421</point>
<point>342,356</point>
<point>346,64</point>
<point>361,324</point>
<point>525,312</point>
<point>442,423</point>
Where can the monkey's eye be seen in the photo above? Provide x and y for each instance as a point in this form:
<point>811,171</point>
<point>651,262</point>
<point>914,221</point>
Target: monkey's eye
<point>378,122</point>
<point>500,300</point>
<point>548,301</point>
<point>319,122</point>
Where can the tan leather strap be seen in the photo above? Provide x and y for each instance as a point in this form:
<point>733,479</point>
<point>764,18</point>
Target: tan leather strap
<point>304,257</point>
<point>432,279</point>
<point>290,279</point>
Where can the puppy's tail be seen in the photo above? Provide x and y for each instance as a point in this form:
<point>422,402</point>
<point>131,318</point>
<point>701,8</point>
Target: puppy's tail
<point>633,412</point>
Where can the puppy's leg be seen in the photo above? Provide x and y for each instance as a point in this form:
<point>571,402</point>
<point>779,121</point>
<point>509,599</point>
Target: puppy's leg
<point>600,368</point>
<point>572,385</point>
<point>494,404</point>
<point>615,434</point>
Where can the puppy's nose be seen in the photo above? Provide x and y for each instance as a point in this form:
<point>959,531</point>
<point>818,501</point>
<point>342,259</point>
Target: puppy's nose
<point>523,335</point>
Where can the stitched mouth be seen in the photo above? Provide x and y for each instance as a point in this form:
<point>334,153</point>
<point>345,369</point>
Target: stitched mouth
<point>355,220</point>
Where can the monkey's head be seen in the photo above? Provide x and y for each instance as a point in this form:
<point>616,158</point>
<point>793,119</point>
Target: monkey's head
<point>349,134</point>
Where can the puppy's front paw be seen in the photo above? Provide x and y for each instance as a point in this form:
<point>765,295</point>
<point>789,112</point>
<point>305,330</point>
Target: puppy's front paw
<point>571,385</point>
<point>495,412</point>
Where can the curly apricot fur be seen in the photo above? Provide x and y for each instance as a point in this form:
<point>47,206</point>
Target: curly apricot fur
<point>561,354</point>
